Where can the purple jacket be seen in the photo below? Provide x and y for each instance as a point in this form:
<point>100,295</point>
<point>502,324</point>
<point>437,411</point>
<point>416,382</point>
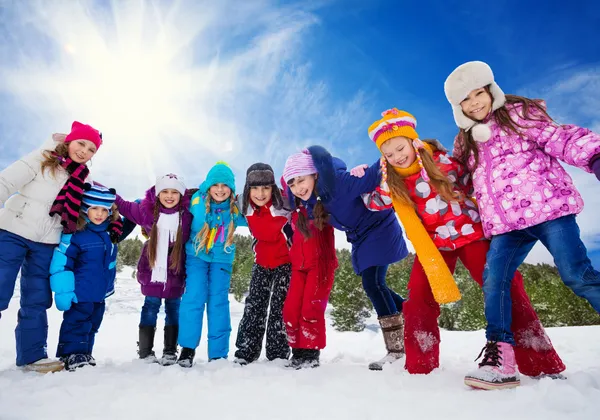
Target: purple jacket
<point>519,182</point>
<point>143,214</point>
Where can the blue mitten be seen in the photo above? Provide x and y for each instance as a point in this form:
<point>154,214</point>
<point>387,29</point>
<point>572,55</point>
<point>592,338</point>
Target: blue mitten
<point>63,300</point>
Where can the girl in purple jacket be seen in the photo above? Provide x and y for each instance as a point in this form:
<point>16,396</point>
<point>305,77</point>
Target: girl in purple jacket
<point>513,148</point>
<point>164,213</point>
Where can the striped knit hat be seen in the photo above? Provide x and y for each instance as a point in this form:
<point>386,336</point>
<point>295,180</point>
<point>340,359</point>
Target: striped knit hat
<point>299,164</point>
<point>97,196</point>
<point>396,123</point>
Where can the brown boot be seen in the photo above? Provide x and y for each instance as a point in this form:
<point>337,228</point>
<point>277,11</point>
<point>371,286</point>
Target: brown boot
<point>392,327</point>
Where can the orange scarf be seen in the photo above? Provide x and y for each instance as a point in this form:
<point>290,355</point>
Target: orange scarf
<point>440,278</point>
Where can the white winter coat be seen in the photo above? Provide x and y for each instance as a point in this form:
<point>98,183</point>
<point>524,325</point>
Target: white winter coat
<point>26,212</point>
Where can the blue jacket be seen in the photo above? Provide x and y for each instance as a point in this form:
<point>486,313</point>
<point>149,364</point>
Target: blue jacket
<point>85,262</point>
<point>219,217</point>
<point>376,236</point>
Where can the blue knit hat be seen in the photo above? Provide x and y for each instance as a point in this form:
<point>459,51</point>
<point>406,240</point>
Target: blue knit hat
<point>221,173</point>
<point>97,196</point>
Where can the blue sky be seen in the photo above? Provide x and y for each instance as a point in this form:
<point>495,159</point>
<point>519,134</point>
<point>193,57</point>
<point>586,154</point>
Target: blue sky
<point>177,85</point>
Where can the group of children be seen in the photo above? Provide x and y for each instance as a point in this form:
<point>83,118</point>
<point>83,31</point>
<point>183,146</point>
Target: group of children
<point>499,192</point>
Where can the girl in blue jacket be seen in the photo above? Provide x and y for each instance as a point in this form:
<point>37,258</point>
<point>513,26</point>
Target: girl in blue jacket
<point>82,275</point>
<point>209,261</point>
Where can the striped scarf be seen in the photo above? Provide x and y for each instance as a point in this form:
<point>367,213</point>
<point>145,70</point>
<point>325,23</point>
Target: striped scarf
<point>68,200</point>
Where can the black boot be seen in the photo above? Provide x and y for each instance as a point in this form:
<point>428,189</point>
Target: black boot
<point>170,349</point>
<point>311,358</point>
<point>304,358</point>
<point>186,358</point>
<point>297,358</point>
<point>146,343</point>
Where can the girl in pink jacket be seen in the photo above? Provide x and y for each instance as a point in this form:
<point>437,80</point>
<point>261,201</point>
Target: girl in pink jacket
<point>513,148</point>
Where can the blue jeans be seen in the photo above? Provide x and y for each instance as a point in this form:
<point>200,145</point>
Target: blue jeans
<point>152,307</point>
<point>384,300</point>
<point>33,259</point>
<point>507,251</point>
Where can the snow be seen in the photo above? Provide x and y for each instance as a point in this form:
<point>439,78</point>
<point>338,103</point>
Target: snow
<point>121,387</point>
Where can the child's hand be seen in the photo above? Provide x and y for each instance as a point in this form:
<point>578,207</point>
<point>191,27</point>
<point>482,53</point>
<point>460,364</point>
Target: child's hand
<point>63,300</point>
<point>359,171</point>
<point>596,167</point>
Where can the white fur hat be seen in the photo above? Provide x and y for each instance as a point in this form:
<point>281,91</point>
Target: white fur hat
<point>465,78</point>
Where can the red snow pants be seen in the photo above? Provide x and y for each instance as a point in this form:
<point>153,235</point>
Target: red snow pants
<point>304,308</point>
<point>534,352</point>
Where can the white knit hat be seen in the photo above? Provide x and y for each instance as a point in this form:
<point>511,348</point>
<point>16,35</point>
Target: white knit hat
<point>170,181</point>
<point>465,78</point>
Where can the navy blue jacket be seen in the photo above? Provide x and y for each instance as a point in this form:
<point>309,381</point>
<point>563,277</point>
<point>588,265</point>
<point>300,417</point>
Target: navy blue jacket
<point>376,236</point>
<point>85,263</point>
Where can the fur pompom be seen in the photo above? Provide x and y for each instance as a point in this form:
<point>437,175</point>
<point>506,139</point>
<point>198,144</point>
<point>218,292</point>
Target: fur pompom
<point>481,133</point>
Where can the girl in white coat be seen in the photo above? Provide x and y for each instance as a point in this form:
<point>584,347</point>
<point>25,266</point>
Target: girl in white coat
<point>40,196</point>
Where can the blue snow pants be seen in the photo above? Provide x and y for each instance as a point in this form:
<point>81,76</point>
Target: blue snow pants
<point>207,284</point>
<point>79,327</point>
<point>33,259</point>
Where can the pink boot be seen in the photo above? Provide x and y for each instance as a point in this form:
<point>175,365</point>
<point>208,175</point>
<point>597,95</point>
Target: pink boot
<point>497,370</point>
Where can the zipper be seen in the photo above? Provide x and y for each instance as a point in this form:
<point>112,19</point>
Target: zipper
<point>497,205</point>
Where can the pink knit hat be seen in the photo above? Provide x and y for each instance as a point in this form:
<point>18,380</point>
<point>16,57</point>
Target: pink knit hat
<point>81,131</point>
<point>299,164</point>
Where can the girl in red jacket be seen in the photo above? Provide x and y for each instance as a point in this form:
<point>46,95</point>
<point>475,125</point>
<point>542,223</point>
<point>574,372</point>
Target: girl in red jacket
<point>268,222</point>
<point>313,260</point>
<point>426,182</point>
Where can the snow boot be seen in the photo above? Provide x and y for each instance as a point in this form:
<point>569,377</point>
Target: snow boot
<point>186,358</point>
<point>91,360</point>
<point>304,358</point>
<point>75,361</point>
<point>146,343</point>
<point>497,370</point>
<point>170,348</point>
<point>392,327</point>
<point>240,361</point>
<point>45,366</point>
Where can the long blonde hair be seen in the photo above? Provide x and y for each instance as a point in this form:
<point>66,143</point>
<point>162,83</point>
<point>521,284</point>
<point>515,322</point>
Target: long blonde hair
<point>438,180</point>
<point>202,238</point>
<point>51,162</point>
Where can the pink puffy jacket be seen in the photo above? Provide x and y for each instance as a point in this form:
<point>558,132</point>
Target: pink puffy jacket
<point>519,182</point>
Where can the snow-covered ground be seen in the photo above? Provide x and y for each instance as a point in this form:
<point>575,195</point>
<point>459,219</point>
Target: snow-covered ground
<point>121,387</point>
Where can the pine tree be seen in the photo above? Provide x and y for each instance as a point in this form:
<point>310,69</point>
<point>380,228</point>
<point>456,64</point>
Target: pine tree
<point>129,253</point>
<point>242,266</point>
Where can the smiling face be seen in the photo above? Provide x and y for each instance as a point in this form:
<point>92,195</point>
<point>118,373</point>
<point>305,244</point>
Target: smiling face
<point>219,192</point>
<point>97,215</point>
<point>261,195</point>
<point>81,151</point>
<point>303,186</point>
<point>477,105</point>
<point>399,152</point>
<point>169,198</point>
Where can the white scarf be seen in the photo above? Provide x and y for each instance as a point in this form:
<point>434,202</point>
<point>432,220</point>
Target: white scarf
<point>167,226</point>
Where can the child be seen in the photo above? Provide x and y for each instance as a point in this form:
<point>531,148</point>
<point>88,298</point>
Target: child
<point>161,269</point>
<point>36,208</point>
<point>82,275</point>
<point>210,254</point>
<point>313,258</point>
<point>376,239</point>
<point>268,222</point>
<point>513,147</point>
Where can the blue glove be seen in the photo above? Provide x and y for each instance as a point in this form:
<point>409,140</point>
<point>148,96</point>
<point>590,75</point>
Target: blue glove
<point>63,300</point>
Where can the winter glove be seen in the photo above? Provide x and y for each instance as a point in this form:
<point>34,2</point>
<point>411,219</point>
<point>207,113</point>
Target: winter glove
<point>595,166</point>
<point>115,230</point>
<point>63,300</point>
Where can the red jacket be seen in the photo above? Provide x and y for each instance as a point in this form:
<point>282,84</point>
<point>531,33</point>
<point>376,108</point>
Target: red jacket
<point>450,225</point>
<point>318,250</point>
<point>272,234</point>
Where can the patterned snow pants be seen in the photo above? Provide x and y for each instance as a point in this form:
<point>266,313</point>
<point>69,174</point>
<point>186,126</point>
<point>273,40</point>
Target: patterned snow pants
<point>267,284</point>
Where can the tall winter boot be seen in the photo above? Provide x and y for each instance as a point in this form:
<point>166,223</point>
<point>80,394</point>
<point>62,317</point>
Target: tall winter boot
<point>146,343</point>
<point>497,370</point>
<point>170,348</point>
<point>392,327</point>
<point>186,358</point>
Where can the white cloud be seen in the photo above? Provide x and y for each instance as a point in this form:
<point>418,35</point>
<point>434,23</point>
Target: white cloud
<point>173,88</point>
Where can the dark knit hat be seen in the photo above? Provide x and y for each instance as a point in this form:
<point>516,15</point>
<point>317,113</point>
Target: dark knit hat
<point>257,175</point>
